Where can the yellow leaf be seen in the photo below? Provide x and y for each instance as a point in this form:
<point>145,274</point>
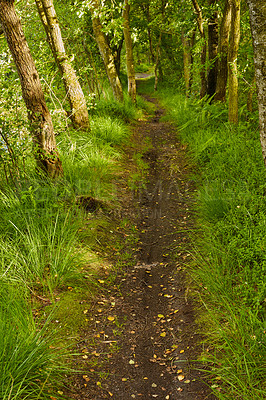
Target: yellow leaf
<point>182,351</point>
<point>180,377</point>
<point>110,318</point>
<point>100,281</point>
<point>163,334</point>
<point>160,315</point>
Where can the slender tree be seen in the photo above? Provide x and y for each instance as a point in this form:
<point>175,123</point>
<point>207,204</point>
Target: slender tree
<point>39,116</point>
<point>257,12</point>
<point>105,51</point>
<point>203,56</point>
<point>212,49</point>
<point>186,61</point>
<point>223,46</point>
<point>129,53</point>
<point>79,112</point>
<point>232,61</point>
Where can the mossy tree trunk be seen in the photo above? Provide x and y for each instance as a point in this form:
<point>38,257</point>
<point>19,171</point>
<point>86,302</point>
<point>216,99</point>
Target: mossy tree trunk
<point>129,53</point>
<point>232,61</point>
<point>223,46</point>
<point>79,112</point>
<point>257,12</point>
<point>105,51</point>
<point>39,116</point>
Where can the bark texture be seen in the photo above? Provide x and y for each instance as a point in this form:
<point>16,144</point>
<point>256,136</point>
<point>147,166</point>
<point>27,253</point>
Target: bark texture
<point>232,61</point>
<point>223,46</point>
<point>203,55</point>
<point>105,51</point>
<point>257,12</point>
<point>38,113</point>
<point>129,53</point>
<point>79,112</point>
<point>213,51</point>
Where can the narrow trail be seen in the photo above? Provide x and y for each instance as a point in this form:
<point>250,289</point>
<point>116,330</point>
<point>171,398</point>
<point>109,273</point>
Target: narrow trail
<point>156,333</point>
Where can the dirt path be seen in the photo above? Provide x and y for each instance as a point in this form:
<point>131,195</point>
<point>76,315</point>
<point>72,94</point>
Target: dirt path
<point>150,319</point>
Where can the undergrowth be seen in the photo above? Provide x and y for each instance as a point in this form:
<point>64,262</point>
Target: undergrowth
<point>229,249</point>
<point>46,240</point>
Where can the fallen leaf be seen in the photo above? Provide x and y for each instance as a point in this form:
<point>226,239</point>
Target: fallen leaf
<point>187,381</point>
<point>110,318</point>
<point>153,385</point>
<point>85,357</point>
<point>163,334</point>
<point>180,377</point>
<point>124,379</point>
<point>182,351</point>
<point>160,315</point>
<point>131,362</point>
<point>100,281</point>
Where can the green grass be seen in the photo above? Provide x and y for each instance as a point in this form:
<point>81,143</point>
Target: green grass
<point>45,245</point>
<point>229,250</point>
<point>29,363</point>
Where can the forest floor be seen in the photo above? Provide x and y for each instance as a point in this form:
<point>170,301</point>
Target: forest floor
<point>143,339</point>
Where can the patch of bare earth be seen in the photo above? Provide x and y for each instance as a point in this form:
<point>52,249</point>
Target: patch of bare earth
<point>149,320</point>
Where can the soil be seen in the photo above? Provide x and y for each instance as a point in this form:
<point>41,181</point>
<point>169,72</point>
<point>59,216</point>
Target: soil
<point>145,341</point>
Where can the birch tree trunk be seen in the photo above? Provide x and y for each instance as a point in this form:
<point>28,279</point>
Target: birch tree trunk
<point>257,12</point>
<point>105,51</point>
<point>129,53</point>
<point>232,61</point>
<point>223,46</point>
<point>213,50</point>
<point>79,112</point>
<point>39,116</point>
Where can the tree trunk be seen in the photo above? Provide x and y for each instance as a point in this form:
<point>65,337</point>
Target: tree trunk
<point>213,49</point>
<point>198,11</point>
<point>79,112</point>
<point>38,113</point>
<point>186,62</point>
<point>156,69</point>
<point>232,62</point>
<point>117,56</point>
<point>223,53</point>
<point>129,53</point>
<point>105,51</point>
<point>257,11</point>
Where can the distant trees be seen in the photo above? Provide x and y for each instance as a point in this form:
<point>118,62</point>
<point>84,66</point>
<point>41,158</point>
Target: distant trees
<point>38,114</point>
<point>79,112</point>
<point>129,52</point>
<point>105,51</point>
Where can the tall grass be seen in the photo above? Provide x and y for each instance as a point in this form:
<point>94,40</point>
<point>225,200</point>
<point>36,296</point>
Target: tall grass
<point>40,246</point>
<point>229,256</point>
<point>28,361</point>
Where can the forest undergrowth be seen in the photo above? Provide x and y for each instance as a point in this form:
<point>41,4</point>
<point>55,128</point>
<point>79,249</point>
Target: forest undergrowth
<point>48,232</point>
<point>228,271</point>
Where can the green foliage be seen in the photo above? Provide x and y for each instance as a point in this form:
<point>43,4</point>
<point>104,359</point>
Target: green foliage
<point>229,257</point>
